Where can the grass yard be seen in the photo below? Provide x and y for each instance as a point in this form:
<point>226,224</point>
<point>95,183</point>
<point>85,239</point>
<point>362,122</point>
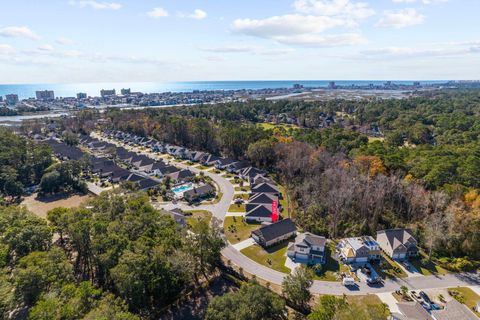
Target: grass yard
<point>270,126</point>
<point>274,258</point>
<point>373,139</point>
<point>466,296</point>
<point>243,196</point>
<point>237,208</point>
<point>331,267</point>
<point>201,167</point>
<point>243,189</point>
<point>364,301</point>
<point>197,215</point>
<point>388,268</point>
<point>284,202</point>
<point>237,230</point>
<point>428,268</point>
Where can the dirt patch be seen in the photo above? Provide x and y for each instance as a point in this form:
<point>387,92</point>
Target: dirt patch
<point>40,206</point>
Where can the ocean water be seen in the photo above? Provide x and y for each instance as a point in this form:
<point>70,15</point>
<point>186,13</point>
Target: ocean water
<point>26,91</point>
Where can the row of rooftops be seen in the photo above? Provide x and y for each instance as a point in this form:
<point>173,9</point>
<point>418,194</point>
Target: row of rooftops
<point>99,165</point>
<point>453,310</point>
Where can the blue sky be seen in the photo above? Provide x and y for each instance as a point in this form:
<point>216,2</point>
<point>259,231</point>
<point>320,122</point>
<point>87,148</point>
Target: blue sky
<point>68,41</point>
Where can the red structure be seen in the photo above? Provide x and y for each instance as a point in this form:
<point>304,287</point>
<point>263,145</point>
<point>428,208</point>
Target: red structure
<point>274,211</point>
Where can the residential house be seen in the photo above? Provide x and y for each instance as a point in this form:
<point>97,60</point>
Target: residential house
<point>223,163</point>
<point>257,213</point>
<point>262,198</point>
<point>398,244</point>
<point>274,233</point>
<point>454,310</point>
<point>179,217</point>
<point>182,175</point>
<point>359,250</point>
<point>146,184</point>
<point>237,166</point>
<point>209,160</point>
<point>411,311</point>
<point>198,193</point>
<point>265,188</point>
<point>249,173</point>
<point>308,249</point>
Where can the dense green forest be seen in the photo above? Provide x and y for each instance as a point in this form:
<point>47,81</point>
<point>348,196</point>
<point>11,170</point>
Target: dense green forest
<point>22,163</point>
<point>118,256</point>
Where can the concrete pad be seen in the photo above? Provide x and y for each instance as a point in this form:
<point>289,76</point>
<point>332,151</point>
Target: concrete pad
<point>475,289</point>
<point>244,244</point>
<point>413,272</point>
<point>290,264</point>
<point>389,300</point>
<point>235,214</point>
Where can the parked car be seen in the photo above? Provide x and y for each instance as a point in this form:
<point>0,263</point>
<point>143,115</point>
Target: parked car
<point>374,281</point>
<point>348,282</point>
<point>238,201</point>
<point>425,297</point>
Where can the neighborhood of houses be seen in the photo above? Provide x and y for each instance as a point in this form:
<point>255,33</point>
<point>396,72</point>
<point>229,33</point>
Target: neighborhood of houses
<point>111,164</point>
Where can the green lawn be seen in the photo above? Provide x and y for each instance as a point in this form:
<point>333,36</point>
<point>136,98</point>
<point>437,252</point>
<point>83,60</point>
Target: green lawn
<point>243,196</point>
<point>373,139</point>
<point>244,189</point>
<point>237,208</point>
<point>388,268</point>
<point>269,126</point>
<point>284,202</point>
<point>364,301</point>
<point>197,215</point>
<point>201,167</point>
<point>274,258</point>
<point>236,230</point>
<point>466,296</point>
<point>331,267</point>
<point>427,269</point>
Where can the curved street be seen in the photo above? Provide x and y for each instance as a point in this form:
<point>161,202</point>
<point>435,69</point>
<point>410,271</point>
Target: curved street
<point>220,209</point>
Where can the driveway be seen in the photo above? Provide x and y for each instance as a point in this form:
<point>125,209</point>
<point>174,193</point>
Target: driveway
<point>390,301</point>
<point>244,244</point>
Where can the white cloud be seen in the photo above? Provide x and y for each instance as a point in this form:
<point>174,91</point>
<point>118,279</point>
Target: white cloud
<point>6,49</point>
<point>158,13</point>
<point>46,48</point>
<point>65,41</point>
<point>312,18</point>
<point>400,18</point>
<point>97,5</point>
<point>430,50</point>
<point>346,8</point>
<point>420,1</point>
<point>18,32</point>
<point>198,14</point>
<point>288,25</point>
<point>235,48</point>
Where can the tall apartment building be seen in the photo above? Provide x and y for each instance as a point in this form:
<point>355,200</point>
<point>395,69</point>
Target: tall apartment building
<point>45,95</point>
<point>11,99</point>
<point>81,95</point>
<point>105,93</point>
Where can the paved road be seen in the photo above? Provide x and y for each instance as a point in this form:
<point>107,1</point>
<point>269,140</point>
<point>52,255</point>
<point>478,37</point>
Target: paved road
<point>220,209</point>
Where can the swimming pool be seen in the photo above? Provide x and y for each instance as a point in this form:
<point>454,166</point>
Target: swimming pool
<point>179,190</point>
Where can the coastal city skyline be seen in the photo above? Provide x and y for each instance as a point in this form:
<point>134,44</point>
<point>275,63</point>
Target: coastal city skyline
<point>111,41</point>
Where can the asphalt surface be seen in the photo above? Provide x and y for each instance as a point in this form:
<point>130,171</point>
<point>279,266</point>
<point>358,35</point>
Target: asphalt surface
<point>220,209</point>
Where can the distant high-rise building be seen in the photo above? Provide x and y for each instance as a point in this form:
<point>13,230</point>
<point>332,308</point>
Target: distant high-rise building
<point>45,95</point>
<point>332,85</point>
<point>1,99</point>
<point>297,86</point>
<point>81,95</point>
<point>416,84</point>
<point>11,99</point>
<point>125,92</point>
<point>106,93</point>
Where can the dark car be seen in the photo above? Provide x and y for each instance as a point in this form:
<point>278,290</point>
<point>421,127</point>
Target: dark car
<point>425,297</point>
